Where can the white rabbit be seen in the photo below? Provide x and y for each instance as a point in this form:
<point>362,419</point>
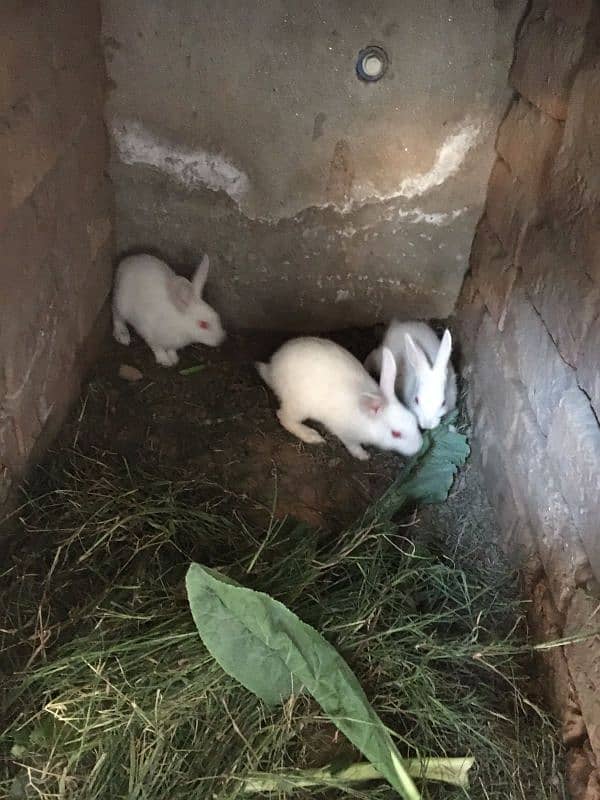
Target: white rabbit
<point>319,380</point>
<point>426,380</point>
<point>166,309</point>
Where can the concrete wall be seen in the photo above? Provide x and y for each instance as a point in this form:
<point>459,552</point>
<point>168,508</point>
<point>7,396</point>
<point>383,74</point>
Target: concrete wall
<point>55,215</point>
<point>530,311</point>
<point>242,129</point>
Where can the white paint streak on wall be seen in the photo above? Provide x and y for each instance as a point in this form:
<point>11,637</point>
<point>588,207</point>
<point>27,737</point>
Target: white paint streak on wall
<point>437,218</point>
<point>448,161</point>
<point>342,295</point>
<point>191,168</point>
<point>413,215</point>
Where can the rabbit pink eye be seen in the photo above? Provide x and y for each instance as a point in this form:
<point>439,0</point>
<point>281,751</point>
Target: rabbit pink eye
<point>397,434</point>
<point>203,324</point>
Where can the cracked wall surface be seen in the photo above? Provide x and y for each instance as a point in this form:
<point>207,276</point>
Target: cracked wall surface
<point>55,217</point>
<point>530,314</point>
<point>323,201</point>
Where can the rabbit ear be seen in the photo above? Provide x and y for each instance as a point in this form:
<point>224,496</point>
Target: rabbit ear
<point>443,354</point>
<point>373,362</point>
<point>372,403</point>
<point>180,292</point>
<point>387,379</point>
<point>200,277</point>
<point>416,357</point>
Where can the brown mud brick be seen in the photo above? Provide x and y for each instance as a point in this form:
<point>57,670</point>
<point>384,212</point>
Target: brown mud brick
<point>22,34</point>
<point>559,287</point>
<point>578,770</point>
<point>23,245</point>
<point>573,728</point>
<point>493,270</point>
<point>510,206</point>
<point>528,141</point>
<point>80,26</point>
<point>80,92</point>
<point>583,659</point>
<point>593,787</point>
<point>546,625</point>
<point>558,541</point>
<point>468,291</point>
<point>31,143</point>
<point>494,382</point>
<point>588,365</point>
<point>83,164</point>
<point>549,49</point>
<point>574,452</point>
<point>544,373</point>
<point>517,539</point>
<point>579,156</point>
<point>99,234</point>
<point>33,140</point>
<point>37,47</point>
<point>583,230</point>
<point>555,535</point>
<point>94,291</point>
<point>35,286</point>
<point>469,315</point>
<point>55,214</point>
<point>53,78</point>
<point>86,202</point>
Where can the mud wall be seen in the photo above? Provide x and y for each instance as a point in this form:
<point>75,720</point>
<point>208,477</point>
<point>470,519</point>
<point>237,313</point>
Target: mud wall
<point>530,310</point>
<point>55,216</point>
<point>243,130</point>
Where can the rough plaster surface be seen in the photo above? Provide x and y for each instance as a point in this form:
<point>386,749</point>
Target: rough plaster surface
<point>243,130</point>
<point>55,219</point>
<point>530,312</point>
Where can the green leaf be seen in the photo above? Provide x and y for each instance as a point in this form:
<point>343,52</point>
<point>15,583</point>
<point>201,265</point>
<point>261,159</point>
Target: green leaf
<point>270,651</point>
<point>192,370</point>
<point>428,476</point>
<point>232,643</point>
<point>433,474</point>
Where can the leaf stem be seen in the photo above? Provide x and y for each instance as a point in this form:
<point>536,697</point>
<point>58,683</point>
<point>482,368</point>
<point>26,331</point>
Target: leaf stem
<point>454,771</point>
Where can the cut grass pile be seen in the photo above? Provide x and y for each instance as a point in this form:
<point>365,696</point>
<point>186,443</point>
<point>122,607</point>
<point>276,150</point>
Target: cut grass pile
<point>119,698</point>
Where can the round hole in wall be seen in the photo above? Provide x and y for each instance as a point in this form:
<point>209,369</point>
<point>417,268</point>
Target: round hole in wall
<point>372,63</point>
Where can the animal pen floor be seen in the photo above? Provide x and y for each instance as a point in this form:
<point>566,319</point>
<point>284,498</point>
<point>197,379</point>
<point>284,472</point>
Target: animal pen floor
<point>210,422</point>
<point>212,416</point>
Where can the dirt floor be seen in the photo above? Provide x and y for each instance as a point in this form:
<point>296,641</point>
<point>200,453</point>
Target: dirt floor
<point>212,420</point>
<point>212,416</point>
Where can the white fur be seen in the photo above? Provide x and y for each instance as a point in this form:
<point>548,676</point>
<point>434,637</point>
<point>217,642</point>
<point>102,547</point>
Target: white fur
<point>164,308</point>
<point>426,380</point>
<point>319,380</point>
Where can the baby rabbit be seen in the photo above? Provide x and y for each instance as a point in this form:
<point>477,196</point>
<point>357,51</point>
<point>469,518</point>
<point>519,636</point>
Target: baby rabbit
<point>426,379</point>
<point>319,380</point>
<point>165,309</point>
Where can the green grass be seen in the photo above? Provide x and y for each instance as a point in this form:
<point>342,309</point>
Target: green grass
<point>119,699</point>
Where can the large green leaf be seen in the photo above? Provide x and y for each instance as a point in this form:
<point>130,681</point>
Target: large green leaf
<point>428,476</point>
<point>271,652</point>
<point>433,471</point>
